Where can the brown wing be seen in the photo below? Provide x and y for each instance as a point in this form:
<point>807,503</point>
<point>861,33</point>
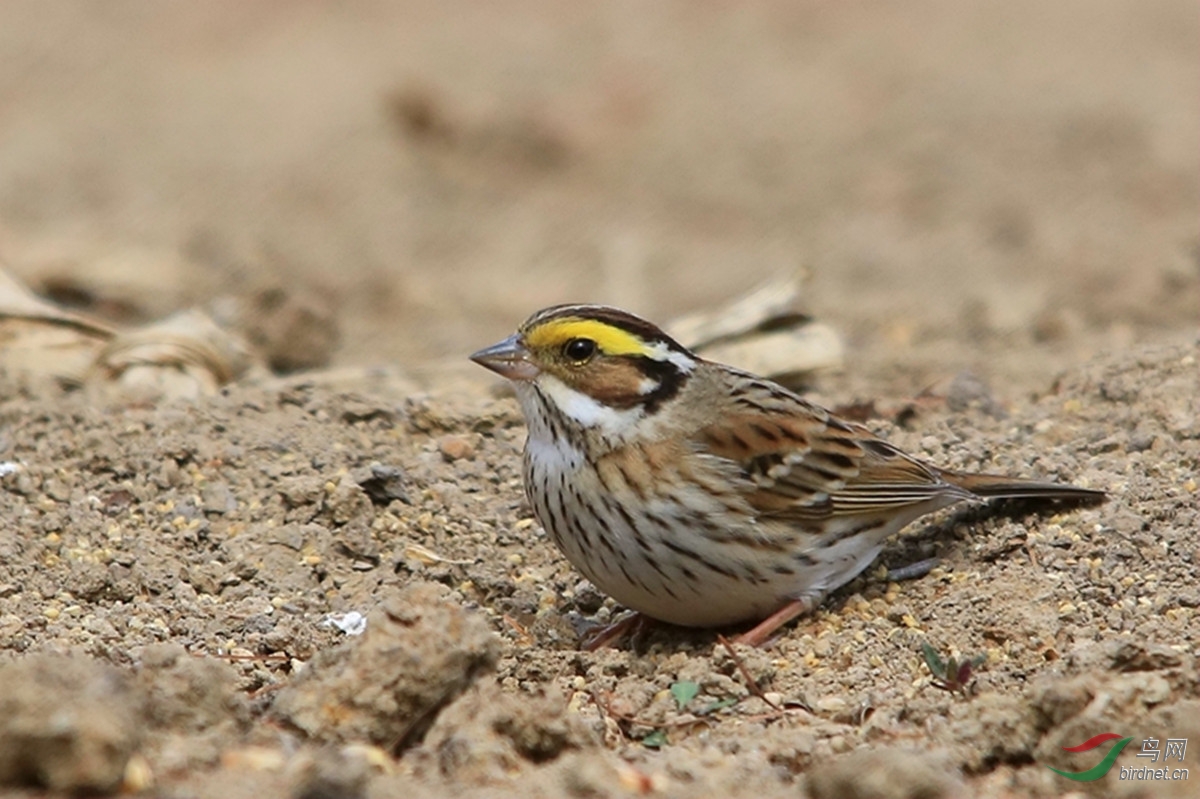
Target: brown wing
<point>806,465</point>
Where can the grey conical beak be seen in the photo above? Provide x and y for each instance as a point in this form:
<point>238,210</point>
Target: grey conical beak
<point>508,359</point>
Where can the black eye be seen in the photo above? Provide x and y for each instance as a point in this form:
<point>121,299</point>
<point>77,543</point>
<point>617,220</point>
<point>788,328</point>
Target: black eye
<point>579,350</point>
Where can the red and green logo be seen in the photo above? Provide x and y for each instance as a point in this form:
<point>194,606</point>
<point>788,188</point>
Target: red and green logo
<point>1100,769</point>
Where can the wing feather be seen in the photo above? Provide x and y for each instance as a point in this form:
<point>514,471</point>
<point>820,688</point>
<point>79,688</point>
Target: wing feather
<point>805,465</point>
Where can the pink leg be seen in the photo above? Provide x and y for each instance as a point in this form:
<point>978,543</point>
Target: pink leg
<point>767,627</point>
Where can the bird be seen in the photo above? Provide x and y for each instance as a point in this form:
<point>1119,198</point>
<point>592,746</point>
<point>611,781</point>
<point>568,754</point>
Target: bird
<point>701,495</point>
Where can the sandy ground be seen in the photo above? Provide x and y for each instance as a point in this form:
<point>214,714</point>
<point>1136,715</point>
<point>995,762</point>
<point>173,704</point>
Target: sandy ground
<point>997,197</point>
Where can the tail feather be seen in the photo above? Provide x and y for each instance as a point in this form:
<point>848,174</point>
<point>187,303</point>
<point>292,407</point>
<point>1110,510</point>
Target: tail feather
<point>995,486</point>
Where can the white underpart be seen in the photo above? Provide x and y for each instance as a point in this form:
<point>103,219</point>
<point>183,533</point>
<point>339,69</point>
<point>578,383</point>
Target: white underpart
<point>554,455</point>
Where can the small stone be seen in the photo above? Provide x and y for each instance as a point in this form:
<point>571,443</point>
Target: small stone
<point>217,498</point>
<point>56,489</point>
<point>1144,656</point>
<point>300,491</point>
<point>347,501</point>
<point>1140,442</point>
<point>169,474</point>
<point>454,447</point>
<point>341,773</point>
<point>382,483</point>
<point>967,390</point>
<point>587,598</point>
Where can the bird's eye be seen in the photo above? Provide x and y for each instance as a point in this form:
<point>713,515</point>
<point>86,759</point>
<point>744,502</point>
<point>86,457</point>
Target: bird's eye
<point>579,350</point>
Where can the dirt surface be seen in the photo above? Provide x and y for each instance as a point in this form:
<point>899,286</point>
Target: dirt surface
<point>997,204</point>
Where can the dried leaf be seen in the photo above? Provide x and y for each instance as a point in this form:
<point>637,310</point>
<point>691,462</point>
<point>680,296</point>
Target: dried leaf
<point>428,557</point>
<point>764,332</point>
<point>39,338</point>
<point>750,313</point>
<point>183,355</point>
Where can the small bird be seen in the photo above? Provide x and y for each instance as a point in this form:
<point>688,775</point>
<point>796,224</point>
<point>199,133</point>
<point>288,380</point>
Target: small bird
<point>699,494</point>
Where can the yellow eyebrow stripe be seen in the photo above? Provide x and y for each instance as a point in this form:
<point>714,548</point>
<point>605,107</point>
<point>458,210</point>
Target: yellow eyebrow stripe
<point>611,340</point>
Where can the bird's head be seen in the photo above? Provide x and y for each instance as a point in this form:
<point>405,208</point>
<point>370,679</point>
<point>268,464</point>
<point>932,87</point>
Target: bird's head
<point>588,359</point>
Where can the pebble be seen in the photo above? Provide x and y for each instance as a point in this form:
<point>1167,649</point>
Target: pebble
<point>455,447</point>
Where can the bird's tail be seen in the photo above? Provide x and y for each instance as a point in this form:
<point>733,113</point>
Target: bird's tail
<point>995,486</point>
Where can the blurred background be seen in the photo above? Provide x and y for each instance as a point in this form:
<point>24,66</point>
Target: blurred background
<point>1004,187</point>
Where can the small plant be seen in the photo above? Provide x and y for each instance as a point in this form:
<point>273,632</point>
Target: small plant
<point>656,739</point>
<point>684,692</point>
<point>953,675</point>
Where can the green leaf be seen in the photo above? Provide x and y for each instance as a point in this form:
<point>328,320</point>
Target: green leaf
<point>933,660</point>
<point>655,740</point>
<point>684,692</point>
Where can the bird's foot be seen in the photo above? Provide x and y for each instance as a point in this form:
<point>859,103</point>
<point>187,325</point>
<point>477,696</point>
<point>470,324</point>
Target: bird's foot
<point>631,626</point>
<point>761,633</point>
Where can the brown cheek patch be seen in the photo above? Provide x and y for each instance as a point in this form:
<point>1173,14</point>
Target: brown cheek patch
<point>613,383</point>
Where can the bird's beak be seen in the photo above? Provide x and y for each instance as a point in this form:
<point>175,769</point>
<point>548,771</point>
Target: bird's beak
<point>508,359</point>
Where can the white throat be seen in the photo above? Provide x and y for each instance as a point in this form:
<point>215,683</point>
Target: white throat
<point>586,412</point>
